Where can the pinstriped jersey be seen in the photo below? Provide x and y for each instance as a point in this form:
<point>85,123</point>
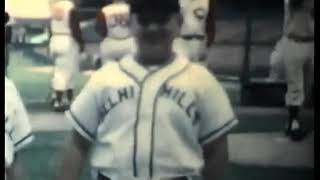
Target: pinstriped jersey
<point>151,123</point>
<point>17,127</point>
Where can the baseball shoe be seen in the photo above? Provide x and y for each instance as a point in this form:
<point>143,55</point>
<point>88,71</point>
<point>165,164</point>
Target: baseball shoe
<point>97,63</point>
<point>295,132</point>
<point>58,106</point>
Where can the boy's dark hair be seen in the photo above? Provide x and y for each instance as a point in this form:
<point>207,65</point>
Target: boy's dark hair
<point>154,10</point>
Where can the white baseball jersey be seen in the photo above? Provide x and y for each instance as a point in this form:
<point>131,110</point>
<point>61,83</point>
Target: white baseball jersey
<point>194,26</point>
<point>118,41</point>
<point>151,124</point>
<point>17,127</point>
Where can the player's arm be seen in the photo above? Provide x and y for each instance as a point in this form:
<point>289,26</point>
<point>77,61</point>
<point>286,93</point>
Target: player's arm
<point>211,23</point>
<point>75,28</point>
<point>216,120</point>
<point>85,114</point>
<point>21,134</point>
<point>216,158</point>
<point>101,26</point>
<point>14,172</point>
<point>76,154</point>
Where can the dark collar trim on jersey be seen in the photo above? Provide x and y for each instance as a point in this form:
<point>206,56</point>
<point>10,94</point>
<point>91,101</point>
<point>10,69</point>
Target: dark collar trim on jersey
<point>133,69</point>
<point>131,76</point>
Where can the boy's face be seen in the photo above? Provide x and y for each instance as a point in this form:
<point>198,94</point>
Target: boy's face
<point>155,37</point>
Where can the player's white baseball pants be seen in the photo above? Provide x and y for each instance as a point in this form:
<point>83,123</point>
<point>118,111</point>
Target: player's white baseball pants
<point>295,56</point>
<point>276,62</point>
<point>65,52</point>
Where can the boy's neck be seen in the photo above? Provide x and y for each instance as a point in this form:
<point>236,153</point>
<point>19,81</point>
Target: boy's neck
<point>156,60</point>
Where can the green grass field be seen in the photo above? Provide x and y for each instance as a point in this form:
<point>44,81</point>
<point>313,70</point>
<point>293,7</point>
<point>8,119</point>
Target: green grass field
<point>42,158</point>
<point>33,85</point>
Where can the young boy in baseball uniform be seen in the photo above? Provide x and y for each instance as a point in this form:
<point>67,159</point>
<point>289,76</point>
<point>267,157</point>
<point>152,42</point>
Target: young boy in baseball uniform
<point>293,52</point>
<point>198,29</point>
<point>112,23</point>
<point>154,115</point>
<point>66,44</point>
<point>18,132</point>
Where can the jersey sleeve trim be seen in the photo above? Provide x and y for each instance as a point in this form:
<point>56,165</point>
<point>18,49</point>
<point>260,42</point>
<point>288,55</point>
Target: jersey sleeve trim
<point>23,141</point>
<point>79,127</point>
<point>218,132</point>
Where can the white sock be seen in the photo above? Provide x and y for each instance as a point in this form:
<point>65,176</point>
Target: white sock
<point>295,125</point>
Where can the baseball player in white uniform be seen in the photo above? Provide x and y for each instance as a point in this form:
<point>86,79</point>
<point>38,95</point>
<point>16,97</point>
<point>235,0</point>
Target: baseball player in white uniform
<point>66,44</point>
<point>112,23</point>
<point>154,115</point>
<point>293,52</point>
<point>198,29</point>
<point>18,132</point>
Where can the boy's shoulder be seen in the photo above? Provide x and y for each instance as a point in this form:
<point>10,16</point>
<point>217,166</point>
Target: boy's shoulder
<point>198,70</point>
<point>9,85</point>
<point>106,72</point>
<point>108,75</point>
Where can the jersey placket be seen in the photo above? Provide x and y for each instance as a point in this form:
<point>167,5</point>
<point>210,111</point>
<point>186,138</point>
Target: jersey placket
<point>144,123</point>
<point>150,83</point>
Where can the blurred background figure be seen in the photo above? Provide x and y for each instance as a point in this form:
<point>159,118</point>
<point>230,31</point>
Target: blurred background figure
<point>293,52</point>
<point>112,24</point>
<point>198,29</point>
<point>66,44</point>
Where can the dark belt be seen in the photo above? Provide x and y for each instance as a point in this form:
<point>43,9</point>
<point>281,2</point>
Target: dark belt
<point>298,38</point>
<point>102,177</point>
<point>193,36</point>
